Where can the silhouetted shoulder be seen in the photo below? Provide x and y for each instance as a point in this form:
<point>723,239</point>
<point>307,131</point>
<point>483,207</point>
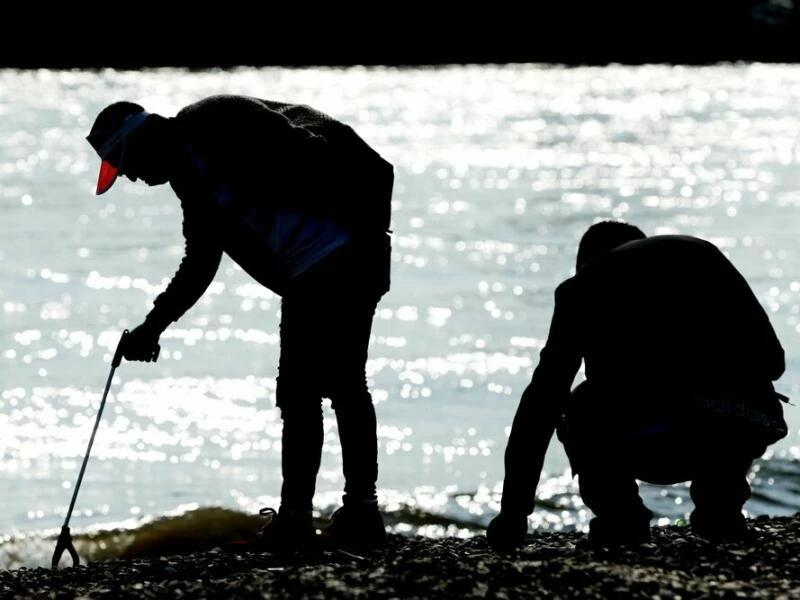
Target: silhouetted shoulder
<point>668,244</point>
<point>304,115</point>
<point>242,138</point>
<point>221,103</point>
<point>338,134</point>
<point>566,288</point>
<point>228,111</point>
<point>567,295</point>
<point>655,252</point>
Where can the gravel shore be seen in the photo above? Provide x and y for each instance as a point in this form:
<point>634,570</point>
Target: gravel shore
<point>674,565</point>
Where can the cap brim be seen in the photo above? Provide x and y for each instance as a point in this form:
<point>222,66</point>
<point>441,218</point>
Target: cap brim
<point>107,177</point>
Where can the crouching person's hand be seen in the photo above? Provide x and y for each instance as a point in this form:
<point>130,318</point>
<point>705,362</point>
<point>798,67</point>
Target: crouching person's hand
<point>505,532</point>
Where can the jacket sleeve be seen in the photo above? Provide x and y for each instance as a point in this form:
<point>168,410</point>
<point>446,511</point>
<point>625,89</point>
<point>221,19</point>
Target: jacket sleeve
<point>540,407</point>
<point>201,259</point>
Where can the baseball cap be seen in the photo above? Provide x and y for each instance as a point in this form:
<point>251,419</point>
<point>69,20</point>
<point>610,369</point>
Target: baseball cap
<point>108,137</point>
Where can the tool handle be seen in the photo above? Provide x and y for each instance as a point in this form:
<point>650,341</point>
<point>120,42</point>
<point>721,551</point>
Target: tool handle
<point>120,348</point>
<point>114,364</point>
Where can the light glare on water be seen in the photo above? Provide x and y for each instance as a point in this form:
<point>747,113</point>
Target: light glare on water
<point>499,170</point>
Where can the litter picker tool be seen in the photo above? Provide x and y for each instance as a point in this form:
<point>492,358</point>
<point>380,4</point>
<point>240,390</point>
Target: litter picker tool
<point>65,538</point>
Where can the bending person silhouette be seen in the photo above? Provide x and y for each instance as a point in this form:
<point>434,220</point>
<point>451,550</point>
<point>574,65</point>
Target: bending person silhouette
<point>680,360</point>
<point>303,205</point>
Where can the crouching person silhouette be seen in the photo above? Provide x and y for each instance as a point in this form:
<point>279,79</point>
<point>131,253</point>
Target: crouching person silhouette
<point>680,360</point>
<point>303,205</point>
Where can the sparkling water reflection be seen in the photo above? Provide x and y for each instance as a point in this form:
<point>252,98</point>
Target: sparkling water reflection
<point>499,171</point>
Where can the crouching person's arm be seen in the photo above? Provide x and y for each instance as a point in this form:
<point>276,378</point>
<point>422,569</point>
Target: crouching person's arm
<point>524,459</point>
<point>534,423</point>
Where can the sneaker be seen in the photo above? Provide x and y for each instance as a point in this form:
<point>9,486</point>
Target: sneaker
<point>718,529</point>
<point>358,529</point>
<point>281,534</point>
<point>608,534</point>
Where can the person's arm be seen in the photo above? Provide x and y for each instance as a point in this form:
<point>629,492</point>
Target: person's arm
<point>201,259</point>
<point>535,422</point>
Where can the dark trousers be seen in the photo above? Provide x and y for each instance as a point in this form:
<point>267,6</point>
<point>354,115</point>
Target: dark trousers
<point>326,321</point>
<point>608,455</point>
